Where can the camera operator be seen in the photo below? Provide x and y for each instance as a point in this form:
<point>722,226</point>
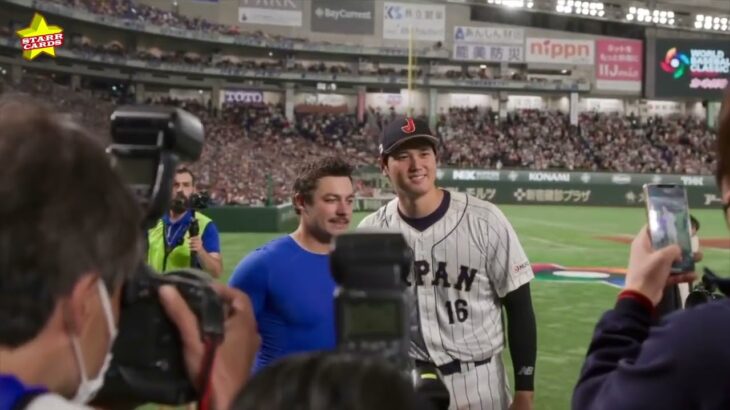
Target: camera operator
<point>174,243</point>
<point>683,362</point>
<point>70,237</point>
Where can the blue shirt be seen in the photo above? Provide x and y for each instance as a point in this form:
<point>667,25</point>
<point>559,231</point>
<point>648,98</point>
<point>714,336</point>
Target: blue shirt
<point>13,390</point>
<point>292,293</point>
<point>174,232</point>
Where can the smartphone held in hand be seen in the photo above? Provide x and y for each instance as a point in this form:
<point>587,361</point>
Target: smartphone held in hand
<point>669,221</point>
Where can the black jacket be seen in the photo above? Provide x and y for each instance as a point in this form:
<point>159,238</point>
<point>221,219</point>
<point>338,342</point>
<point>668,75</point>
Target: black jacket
<point>681,363</point>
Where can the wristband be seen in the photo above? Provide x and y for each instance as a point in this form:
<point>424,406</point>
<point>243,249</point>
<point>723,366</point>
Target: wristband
<point>639,297</point>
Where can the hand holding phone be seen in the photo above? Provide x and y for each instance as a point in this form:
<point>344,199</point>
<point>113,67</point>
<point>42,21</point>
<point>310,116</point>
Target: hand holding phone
<point>669,221</point>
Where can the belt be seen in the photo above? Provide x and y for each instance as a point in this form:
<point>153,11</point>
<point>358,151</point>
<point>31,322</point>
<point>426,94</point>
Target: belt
<point>455,366</point>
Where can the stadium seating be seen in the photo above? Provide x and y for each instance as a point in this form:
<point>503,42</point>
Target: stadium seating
<point>251,150</point>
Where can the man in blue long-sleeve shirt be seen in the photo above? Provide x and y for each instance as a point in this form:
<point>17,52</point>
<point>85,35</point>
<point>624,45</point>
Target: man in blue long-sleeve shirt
<point>683,362</point>
<point>288,279</point>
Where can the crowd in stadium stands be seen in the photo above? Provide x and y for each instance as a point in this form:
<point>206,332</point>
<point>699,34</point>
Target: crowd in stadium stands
<point>115,51</point>
<point>544,140</point>
<point>251,151</point>
<point>130,10</point>
<point>88,107</point>
<point>141,13</point>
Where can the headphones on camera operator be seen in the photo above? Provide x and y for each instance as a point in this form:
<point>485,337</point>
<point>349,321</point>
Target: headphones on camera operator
<point>147,144</point>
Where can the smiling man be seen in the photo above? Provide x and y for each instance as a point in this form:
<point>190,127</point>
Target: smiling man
<point>468,265</point>
<point>288,279</point>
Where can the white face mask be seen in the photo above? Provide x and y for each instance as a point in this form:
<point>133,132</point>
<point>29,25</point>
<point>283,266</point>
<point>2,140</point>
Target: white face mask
<point>88,388</point>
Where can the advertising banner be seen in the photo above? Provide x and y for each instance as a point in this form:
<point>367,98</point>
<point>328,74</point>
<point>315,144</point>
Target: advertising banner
<point>343,16</point>
<point>271,12</point>
<point>563,187</point>
<point>619,64</point>
<point>489,44</point>
<point>243,96</point>
<point>428,21</point>
<point>559,51</point>
<point>691,68</point>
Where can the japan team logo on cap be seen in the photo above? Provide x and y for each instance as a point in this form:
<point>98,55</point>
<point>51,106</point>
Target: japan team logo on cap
<point>410,126</point>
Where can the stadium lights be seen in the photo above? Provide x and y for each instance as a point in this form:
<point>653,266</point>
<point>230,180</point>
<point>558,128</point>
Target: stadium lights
<point>716,23</point>
<point>586,8</point>
<point>657,16</point>
<point>513,3</point>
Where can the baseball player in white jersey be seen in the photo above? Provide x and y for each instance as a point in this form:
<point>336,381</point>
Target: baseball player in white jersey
<point>468,264</point>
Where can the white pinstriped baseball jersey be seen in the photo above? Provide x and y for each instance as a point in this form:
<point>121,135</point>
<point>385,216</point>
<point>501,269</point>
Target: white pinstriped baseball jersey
<point>463,265</point>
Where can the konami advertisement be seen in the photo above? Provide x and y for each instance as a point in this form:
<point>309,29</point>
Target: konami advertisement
<point>692,68</point>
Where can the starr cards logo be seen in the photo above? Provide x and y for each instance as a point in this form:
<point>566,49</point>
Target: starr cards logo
<point>675,63</point>
<point>39,38</point>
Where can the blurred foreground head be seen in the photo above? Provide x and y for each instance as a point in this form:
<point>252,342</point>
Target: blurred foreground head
<point>69,224</point>
<point>329,382</point>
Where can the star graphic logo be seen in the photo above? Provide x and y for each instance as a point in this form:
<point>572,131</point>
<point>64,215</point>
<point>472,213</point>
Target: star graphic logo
<point>39,38</point>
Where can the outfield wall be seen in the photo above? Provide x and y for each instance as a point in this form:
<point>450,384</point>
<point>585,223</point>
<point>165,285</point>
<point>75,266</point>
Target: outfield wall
<point>574,188</point>
<point>280,218</point>
<point>501,187</point>
<point>565,188</point>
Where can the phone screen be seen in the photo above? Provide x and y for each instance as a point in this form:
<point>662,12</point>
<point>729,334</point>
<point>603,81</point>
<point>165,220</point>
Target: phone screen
<point>668,214</point>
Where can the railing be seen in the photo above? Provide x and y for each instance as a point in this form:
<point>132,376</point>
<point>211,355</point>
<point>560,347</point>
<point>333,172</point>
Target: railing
<point>82,57</point>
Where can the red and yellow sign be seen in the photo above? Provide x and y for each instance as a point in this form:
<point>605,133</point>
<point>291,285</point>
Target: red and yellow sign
<point>39,38</point>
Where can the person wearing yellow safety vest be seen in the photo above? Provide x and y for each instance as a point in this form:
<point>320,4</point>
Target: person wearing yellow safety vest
<point>170,244</point>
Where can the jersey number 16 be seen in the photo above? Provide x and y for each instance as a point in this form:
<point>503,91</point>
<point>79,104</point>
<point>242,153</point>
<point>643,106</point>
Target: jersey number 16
<point>457,310</point>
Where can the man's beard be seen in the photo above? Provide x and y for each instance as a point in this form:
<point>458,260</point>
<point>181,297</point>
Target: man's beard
<point>179,204</point>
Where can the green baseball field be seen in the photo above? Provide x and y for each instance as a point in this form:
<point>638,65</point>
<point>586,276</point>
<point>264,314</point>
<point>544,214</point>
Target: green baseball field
<point>588,244</point>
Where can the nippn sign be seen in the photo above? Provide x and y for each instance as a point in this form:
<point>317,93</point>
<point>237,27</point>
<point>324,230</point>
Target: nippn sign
<point>559,51</point>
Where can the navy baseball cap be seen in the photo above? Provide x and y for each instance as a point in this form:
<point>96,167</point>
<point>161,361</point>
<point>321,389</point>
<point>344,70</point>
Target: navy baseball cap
<point>402,129</point>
